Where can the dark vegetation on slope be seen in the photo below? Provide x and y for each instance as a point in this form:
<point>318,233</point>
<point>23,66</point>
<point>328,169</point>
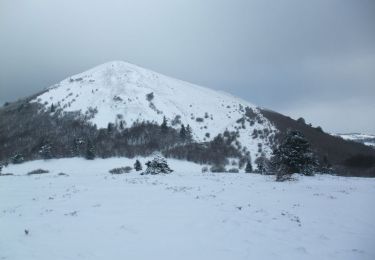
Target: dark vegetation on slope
<point>28,133</point>
<point>345,157</point>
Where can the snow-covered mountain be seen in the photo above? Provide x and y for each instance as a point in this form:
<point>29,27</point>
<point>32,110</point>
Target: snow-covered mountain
<point>60,122</point>
<point>365,139</point>
<point>118,91</point>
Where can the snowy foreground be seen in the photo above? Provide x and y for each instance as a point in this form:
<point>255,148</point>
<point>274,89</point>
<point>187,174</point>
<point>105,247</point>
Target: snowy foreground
<point>91,214</point>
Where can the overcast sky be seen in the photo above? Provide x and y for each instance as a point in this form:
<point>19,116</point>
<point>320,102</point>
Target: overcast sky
<point>314,59</point>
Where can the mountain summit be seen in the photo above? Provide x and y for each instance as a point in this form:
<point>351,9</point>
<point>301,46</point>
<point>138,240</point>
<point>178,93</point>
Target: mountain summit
<point>119,91</point>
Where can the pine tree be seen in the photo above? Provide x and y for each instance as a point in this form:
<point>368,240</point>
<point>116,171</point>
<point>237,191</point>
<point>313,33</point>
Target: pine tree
<point>122,125</point>
<point>90,151</point>
<point>249,167</point>
<point>183,132</point>
<point>164,125</point>
<point>137,165</point>
<point>293,155</point>
<point>77,146</point>
<point>261,163</point>
<point>53,109</point>
<point>46,151</point>
<point>157,165</point>
<point>110,127</point>
<point>189,133</point>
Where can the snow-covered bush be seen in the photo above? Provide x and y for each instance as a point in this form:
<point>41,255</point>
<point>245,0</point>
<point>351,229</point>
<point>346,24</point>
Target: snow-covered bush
<point>218,168</point>
<point>121,170</point>
<point>157,165</point>
<point>37,171</point>
<point>17,158</point>
<point>204,169</point>
<point>233,170</point>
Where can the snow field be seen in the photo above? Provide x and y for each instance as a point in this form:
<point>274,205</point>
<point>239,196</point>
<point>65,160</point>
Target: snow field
<point>91,214</point>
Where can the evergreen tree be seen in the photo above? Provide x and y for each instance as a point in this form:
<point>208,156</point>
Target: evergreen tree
<point>77,147</point>
<point>189,133</point>
<point>183,132</point>
<point>53,109</point>
<point>1,168</point>
<point>157,165</point>
<point>110,127</point>
<point>293,155</point>
<point>122,125</point>
<point>137,165</point>
<point>261,163</point>
<point>90,151</point>
<point>45,151</point>
<point>249,167</point>
<point>164,125</point>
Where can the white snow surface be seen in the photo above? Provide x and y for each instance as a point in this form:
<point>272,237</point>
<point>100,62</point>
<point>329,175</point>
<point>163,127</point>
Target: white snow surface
<point>91,214</point>
<point>118,91</point>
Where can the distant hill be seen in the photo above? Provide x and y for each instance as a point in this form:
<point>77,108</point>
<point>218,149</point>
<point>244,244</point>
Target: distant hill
<point>365,139</point>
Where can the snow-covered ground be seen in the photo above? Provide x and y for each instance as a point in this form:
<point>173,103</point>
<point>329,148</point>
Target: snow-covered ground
<point>91,214</point>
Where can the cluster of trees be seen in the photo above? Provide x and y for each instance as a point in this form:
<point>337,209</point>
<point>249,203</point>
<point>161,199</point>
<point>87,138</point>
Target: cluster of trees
<point>27,133</point>
<point>214,152</point>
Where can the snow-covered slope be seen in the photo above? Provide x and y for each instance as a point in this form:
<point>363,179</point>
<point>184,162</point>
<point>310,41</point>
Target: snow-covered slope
<point>121,91</point>
<point>91,214</point>
<point>366,139</point>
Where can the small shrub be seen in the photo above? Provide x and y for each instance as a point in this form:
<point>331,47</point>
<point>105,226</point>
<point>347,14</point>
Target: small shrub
<point>233,170</point>
<point>138,165</point>
<point>204,169</point>
<point>121,170</point>
<point>6,174</point>
<point>150,96</point>
<point>37,171</point>
<point>199,119</point>
<point>218,168</point>
<point>17,158</point>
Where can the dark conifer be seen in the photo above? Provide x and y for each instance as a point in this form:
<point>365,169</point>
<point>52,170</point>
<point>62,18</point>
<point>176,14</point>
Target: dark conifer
<point>249,167</point>
<point>293,155</point>
<point>189,133</point>
<point>164,126</point>
<point>137,165</point>
<point>183,132</point>
<point>90,151</point>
